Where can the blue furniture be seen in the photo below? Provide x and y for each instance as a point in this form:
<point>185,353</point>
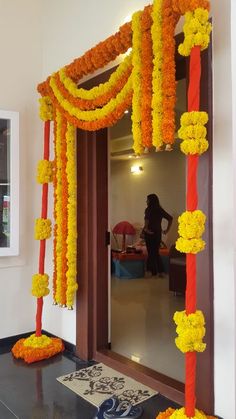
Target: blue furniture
<point>129,269</point>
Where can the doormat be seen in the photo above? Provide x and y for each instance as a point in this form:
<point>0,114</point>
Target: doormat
<point>99,382</point>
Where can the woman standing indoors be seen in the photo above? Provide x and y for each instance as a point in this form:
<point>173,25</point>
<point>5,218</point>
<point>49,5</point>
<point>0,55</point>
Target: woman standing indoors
<point>153,217</point>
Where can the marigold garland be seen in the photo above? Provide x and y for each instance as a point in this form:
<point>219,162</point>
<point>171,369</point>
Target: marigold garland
<point>42,229</point>
<point>183,6</point>
<point>32,354</point>
<point>157,75</point>
<point>58,209</point>
<point>54,211</point>
<point>95,125</point>
<point>72,285</point>
<point>92,115</point>
<point>64,226</point>
<point>197,31</point>
<point>136,83</point>
<point>99,101</point>
<point>190,330</point>
<point>40,284</point>
<point>170,19</point>
<point>100,90</point>
<point>44,171</point>
<point>146,84</point>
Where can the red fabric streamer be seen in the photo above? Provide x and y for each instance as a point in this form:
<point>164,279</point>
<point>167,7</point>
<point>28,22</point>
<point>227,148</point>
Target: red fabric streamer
<point>190,380</point>
<point>192,202</point>
<point>194,79</point>
<point>192,195</point>
<point>44,211</point>
<point>191,297</point>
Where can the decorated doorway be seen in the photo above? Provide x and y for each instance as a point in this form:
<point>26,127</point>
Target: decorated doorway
<point>146,78</point>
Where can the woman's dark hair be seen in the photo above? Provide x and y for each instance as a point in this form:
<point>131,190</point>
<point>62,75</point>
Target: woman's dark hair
<point>153,200</point>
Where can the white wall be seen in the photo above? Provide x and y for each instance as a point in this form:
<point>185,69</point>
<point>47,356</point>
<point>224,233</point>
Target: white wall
<point>163,174</point>
<point>21,64</point>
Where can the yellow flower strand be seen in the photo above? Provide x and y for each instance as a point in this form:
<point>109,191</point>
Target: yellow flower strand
<point>197,31</point>
<point>91,115</point>
<point>40,285</point>
<point>44,171</point>
<point>157,97</point>
<point>72,285</point>
<point>190,330</point>
<point>96,91</point>
<point>191,224</point>
<point>58,209</point>
<point>136,78</point>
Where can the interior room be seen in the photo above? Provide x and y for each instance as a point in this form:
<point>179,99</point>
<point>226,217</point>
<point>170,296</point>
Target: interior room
<point>142,307</point>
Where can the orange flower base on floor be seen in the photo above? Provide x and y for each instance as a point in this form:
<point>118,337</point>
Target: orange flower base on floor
<point>33,354</point>
<point>167,414</point>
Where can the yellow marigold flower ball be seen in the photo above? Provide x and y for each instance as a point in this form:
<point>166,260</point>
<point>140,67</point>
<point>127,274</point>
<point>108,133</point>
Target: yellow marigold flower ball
<point>40,284</point>
<point>194,146</point>
<point>43,228</point>
<point>190,245</point>
<point>191,224</point>
<point>46,109</point>
<point>193,118</point>
<point>44,171</point>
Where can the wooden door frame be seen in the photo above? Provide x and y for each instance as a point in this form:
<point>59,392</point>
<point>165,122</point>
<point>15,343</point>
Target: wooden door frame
<point>92,301</point>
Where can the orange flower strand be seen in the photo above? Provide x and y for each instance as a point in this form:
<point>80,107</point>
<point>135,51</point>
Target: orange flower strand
<point>30,354</point>
<point>168,67</point>
<point>146,86</point>
<point>85,104</point>
<point>183,6</point>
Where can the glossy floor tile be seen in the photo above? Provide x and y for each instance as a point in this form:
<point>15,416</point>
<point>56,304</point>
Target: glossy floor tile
<point>32,392</point>
<point>142,323</point>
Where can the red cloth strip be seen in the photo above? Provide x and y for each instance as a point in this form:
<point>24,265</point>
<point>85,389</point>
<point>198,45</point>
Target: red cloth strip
<point>190,296</point>
<point>44,211</point>
<point>190,380</point>
<point>192,194</point>
<point>192,202</point>
<point>194,79</point>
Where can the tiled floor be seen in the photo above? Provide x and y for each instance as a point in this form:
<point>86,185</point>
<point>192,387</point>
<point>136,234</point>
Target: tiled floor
<point>32,392</point>
<point>142,323</point>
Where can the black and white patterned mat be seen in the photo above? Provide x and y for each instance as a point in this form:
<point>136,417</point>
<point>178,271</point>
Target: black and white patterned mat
<point>99,382</point>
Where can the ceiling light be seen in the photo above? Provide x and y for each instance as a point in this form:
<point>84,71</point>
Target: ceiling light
<point>126,111</point>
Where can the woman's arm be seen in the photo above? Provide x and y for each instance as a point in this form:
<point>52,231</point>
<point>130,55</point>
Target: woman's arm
<point>169,219</point>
